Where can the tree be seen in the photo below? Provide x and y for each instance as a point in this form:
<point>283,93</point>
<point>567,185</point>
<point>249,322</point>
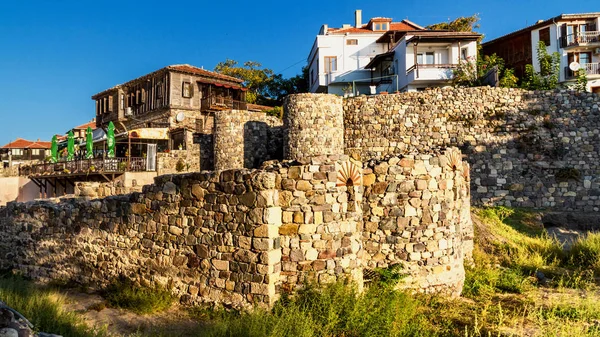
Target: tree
<point>581,82</point>
<point>255,77</point>
<point>471,73</point>
<point>264,86</point>
<point>461,24</point>
<point>548,76</point>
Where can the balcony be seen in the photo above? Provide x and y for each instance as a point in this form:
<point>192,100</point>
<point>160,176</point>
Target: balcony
<point>591,38</point>
<point>218,103</point>
<point>85,167</point>
<point>428,72</point>
<point>591,69</point>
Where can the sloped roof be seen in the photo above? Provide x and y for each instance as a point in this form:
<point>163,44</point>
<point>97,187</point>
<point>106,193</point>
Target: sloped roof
<point>404,25</point>
<point>21,143</point>
<point>91,124</point>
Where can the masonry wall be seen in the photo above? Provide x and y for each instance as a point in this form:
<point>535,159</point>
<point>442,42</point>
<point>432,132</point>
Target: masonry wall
<point>526,148</point>
<point>417,214</point>
<point>245,139</point>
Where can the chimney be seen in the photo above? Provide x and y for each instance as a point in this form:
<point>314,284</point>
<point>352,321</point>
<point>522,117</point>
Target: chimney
<point>358,18</point>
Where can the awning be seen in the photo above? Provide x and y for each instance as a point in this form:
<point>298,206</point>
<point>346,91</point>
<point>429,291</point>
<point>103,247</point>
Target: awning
<point>98,135</point>
<point>149,133</point>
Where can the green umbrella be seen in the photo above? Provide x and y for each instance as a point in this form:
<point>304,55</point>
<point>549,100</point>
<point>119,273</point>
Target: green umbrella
<point>70,145</point>
<point>54,150</point>
<point>110,140</point>
<point>89,143</point>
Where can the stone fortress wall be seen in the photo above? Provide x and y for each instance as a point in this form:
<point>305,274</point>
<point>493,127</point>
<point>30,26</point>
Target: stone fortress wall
<point>244,236</point>
<point>526,149</point>
<point>367,182</point>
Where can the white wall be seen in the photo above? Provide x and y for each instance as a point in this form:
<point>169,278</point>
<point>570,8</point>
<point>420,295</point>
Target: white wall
<point>554,47</point>
<point>17,189</point>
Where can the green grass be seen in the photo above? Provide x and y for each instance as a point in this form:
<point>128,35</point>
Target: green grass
<point>335,310</point>
<point>44,308</point>
<point>585,252</point>
<point>122,293</point>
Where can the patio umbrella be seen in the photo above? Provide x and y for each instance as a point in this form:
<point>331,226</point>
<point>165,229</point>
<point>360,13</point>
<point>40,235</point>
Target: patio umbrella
<point>54,150</point>
<point>70,145</point>
<point>110,140</point>
<point>89,143</point>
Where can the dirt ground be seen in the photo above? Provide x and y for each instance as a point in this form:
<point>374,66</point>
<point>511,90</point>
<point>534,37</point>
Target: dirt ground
<point>119,322</point>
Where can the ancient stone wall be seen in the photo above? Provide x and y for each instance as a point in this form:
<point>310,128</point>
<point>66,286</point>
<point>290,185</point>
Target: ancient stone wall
<point>417,214</point>
<point>526,148</point>
<point>314,125</point>
<point>94,189</point>
<point>245,139</point>
<point>167,162</point>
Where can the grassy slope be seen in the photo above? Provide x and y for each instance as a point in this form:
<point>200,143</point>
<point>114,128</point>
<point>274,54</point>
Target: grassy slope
<point>502,296</point>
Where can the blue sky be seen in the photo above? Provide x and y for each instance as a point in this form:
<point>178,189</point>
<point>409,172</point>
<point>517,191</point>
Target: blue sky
<point>54,55</point>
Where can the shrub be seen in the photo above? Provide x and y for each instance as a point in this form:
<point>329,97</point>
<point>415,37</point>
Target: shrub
<point>123,293</point>
<point>180,165</point>
<point>585,252</point>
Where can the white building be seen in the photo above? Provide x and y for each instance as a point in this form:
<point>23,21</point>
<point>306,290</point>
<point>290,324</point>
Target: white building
<point>339,55</point>
<point>576,37</point>
<point>420,59</point>
<point>382,55</point>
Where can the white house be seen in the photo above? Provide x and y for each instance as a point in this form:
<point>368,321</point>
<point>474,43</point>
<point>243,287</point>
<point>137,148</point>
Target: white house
<point>420,59</point>
<point>382,55</point>
<point>338,57</point>
<point>576,37</point>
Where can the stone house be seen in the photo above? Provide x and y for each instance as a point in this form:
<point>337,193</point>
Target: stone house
<point>178,98</point>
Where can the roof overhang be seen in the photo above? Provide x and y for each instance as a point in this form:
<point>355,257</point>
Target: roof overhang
<point>443,38</point>
<point>378,58</point>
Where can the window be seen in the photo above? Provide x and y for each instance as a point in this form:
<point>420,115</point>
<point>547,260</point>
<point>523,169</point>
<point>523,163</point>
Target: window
<point>35,152</point>
<point>17,152</point>
<point>545,35</point>
<point>159,90</point>
<point>178,140</point>
<point>104,104</point>
<point>186,90</point>
<point>330,64</point>
<point>122,102</point>
<point>352,42</point>
<point>464,53</point>
<point>585,58</point>
<point>380,26</point>
<point>110,103</point>
<point>425,58</point>
<point>312,76</point>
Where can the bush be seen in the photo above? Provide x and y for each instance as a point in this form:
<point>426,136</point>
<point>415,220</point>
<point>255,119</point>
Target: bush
<point>122,293</point>
<point>180,165</point>
<point>585,252</point>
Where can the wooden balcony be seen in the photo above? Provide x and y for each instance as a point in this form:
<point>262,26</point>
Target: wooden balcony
<point>591,69</point>
<point>591,38</point>
<point>218,103</point>
<point>110,166</point>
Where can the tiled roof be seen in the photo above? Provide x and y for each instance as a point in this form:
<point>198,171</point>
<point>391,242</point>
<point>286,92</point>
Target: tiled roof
<point>21,143</point>
<point>91,124</point>
<point>186,68</point>
<point>403,25</point>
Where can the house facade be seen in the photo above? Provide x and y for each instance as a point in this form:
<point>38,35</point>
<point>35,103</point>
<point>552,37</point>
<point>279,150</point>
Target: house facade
<point>177,100</point>
<point>576,37</point>
<point>420,59</point>
<point>23,151</point>
<point>383,55</point>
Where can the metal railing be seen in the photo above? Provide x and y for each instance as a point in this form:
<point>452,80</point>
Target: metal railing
<point>590,69</point>
<point>580,38</point>
<point>86,166</point>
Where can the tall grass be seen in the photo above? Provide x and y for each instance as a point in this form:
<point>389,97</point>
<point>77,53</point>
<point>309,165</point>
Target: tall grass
<point>585,252</point>
<point>336,310</point>
<point>44,308</point>
<point>123,293</point>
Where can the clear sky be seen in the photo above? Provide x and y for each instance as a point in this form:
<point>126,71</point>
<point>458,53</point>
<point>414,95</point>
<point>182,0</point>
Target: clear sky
<point>55,54</point>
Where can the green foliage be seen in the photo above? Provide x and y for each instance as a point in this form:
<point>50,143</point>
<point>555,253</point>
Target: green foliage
<point>581,82</point>
<point>123,293</point>
<point>264,86</point>
<point>461,24</point>
<point>548,76</point>
<point>470,73</point>
<point>275,112</point>
<point>180,165</point>
<point>586,252</point>
<point>335,310</point>
<point>43,308</point>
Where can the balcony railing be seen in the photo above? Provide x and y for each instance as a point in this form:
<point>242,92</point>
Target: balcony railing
<point>580,38</point>
<point>85,166</point>
<point>222,103</point>
<point>430,66</point>
<point>590,69</point>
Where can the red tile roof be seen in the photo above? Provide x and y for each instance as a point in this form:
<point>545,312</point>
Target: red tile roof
<point>186,68</point>
<point>91,124</point>
<point>404,25</point>
<point>21,143</point>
